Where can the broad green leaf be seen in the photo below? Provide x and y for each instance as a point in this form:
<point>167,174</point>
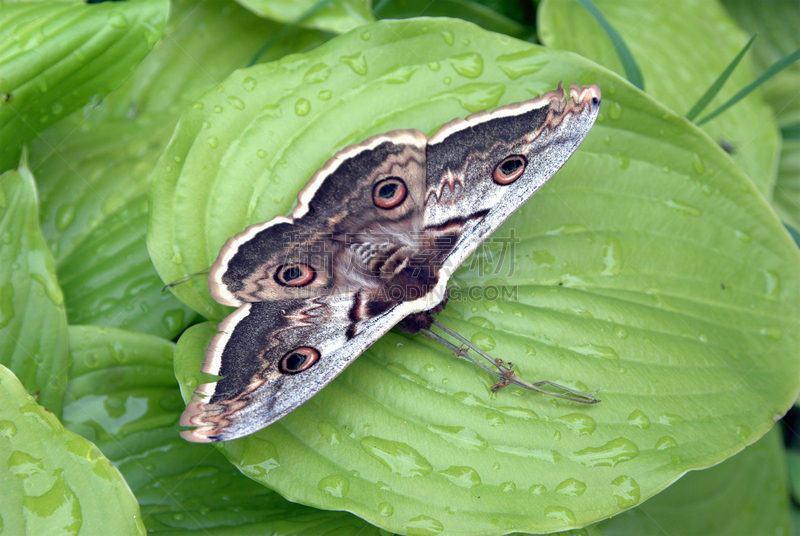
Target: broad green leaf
<point>776,22</point>
<point>649,267</point>
<point>746,494</point>
<point>54,481</point>
<point>93,168</point>
<point>678,69</point>
<point>122,394</point>
<point>786,196</point>
<point>57,56</point>
<point>33,324</point>
<point>469,10</point>
<point>331,15</point>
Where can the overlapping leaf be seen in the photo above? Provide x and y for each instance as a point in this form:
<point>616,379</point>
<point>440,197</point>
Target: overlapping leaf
<point>746,494</point>
<point>678,70</point>
<point>332,15</point>
<point>33,325</point>
<point>54,481</point>
<point>122,394</point>
<point>786,198</point>
<point>57,56</point>
<point>649,266</point>
<point>93,168</point>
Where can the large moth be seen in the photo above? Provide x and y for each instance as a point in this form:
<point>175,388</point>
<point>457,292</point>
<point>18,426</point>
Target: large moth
<point>371,243</point>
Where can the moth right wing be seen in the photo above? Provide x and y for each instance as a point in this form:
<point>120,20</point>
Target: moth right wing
<point>273,356</point>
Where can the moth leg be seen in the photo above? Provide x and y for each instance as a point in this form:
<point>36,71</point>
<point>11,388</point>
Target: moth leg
<point>505,373</point>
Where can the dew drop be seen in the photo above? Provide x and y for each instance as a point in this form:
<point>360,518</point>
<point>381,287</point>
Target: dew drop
<point>683,208</point>
<point>334,485</point>
<point>612,257</point>
<point>469,65</point>
<point>571,488</point>
<point>365,35</point>
<point>508,487</point>
<point>172,320</point>
<point>773,284</point>
<point>423,526</point>
<point>626,491</point>
<point>236,102</point>
<point>177,255</point>
<point>483,341</point>
<point>249,83</point>
<point>197,105</point>
<point>385,509</point>
<point>318,72</point>
<point>117,20</point>
<point>324,95</point>
<point>537,489</point>
<point>398,457</point>
<point>460,436</point>
<point>400,74</point>
<point>614,111</point>
<point>772,333</point>
<point>697,163</point>
<point>621,332</point>
<point>562,514</point>
<point>521,63</point>
<point>578,423</point>
<point>261,153</point>
<point>217,109</point>
<point>743,431</point>
<point>670,419</point>
<point>7,429</point>
<point>65,216</point>
<point>448,37</point>
<point>302,107</point>
<point>434,65</point>
<point>638,419</point>
<point>357,62</point>
<point>463,477</point>
<point>212,142</point>
<point>609,455</point>
<point>666,443</point>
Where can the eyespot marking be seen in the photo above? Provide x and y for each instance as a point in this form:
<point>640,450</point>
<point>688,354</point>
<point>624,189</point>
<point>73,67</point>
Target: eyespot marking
<point>389,192</point>
<point>294,275</point>
<point>509,169</point>
<point>298,360</point>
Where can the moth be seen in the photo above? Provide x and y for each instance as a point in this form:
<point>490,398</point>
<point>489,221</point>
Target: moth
<point>373,238</point>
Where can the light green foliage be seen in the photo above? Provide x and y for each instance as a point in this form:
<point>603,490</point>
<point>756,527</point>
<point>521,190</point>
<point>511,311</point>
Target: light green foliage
<point>53,480</point>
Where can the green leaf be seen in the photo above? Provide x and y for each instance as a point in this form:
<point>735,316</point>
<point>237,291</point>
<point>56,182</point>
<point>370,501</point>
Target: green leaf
<point>746,494</point>
<point>776,22</point>
<point>93,168</point>
<point>469,10</point>
<point>649,267</point>
<point>54,481</point>
<point>122,394</point>
<point>786,196</point>
<point>709,95</point>
<point>33,325</point>
<point>331,15</point>
<point>775,68</point>
<point>57,56</point>
<point>678,68</point>
<point>632,71</point>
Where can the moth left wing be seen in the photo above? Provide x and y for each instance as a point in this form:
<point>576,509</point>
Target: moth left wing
<point>275,355</point>
<point>482,168</point>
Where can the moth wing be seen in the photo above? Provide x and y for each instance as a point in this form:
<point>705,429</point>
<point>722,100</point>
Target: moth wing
<point>482,168</point>
<point>261,352</point>
<point>335,210</point>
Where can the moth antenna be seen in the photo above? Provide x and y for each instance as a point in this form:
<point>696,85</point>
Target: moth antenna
<point>184,279</point>
<point>505,371</point>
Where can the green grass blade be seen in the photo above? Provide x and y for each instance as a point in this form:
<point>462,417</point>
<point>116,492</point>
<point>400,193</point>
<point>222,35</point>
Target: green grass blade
<point>709,95</point>
<point>632,71</point>
<point>769,73</point>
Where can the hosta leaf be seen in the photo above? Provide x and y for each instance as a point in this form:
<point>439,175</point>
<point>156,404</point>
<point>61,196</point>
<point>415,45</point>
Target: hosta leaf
<point>776,22</point>
<point>33,325</point>
<point>93,171</point>
<point>122,394</point>
<point>649,266</point>
<point>746,494</point>
<point>677,74</point>
<point>786,197</point>
<point>54,481</point>
<point>331,15</point>
<point>57,56</point>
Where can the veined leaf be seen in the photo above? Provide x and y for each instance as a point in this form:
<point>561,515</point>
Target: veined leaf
<point>33,325</point>
<point>54,481</point>
<point>648,266</point>
<point>57,56</point>
<point>678,70</point>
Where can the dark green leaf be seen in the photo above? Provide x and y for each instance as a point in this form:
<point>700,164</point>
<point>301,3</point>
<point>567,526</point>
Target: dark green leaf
<point>57,56</point>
